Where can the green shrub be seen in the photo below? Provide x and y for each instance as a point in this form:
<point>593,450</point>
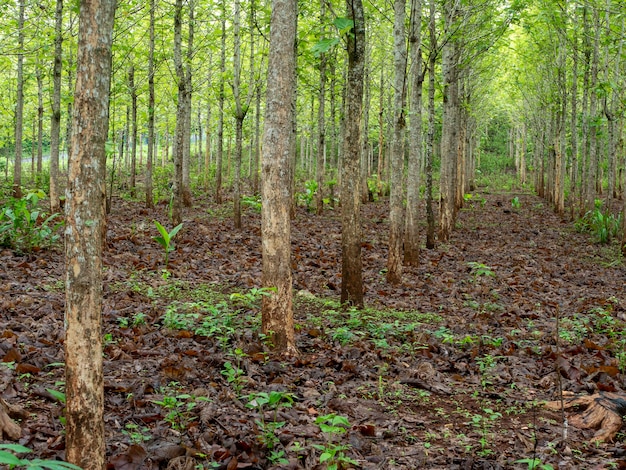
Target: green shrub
<point>23,226</point>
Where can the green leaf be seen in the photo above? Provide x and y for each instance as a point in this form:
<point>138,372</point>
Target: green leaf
<point>8,458</point>
<point>324,45</point>
<point>325,456</point>
<point>163,231</point>
<point>344,25</point>
<point>56,394</point>
<point>53,465</point>
<point>175,230</point>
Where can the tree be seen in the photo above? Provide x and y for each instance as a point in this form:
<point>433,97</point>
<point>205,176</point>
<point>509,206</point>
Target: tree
<point>278,137</point>
<point>19,104</point>
<point>394,260</point>
<point>55,124</point>
<point>351,262</point>
<point>151,104</point>
<point>411,235</point>
<point>85,228</point>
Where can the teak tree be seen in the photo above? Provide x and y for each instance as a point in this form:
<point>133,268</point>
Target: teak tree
<point>278,137</point>
<point>351,262</point>
<point>85,228</point>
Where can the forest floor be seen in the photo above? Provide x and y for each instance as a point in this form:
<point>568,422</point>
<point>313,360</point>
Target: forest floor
<point>449,370</point>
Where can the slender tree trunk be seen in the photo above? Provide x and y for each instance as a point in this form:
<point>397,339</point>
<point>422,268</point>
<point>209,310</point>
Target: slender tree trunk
<point>449,137</point>
<point>430,140</point>
<point>179,142</point>
<point>39,121</point>
<point>321,126</point>
<point>220,117</point>
<point>365,132</point>
<point>574,120</point>
<point>241,110</point>
<point>351,263</point>
<point>394,260</point>
<point>592,172</point>
<point>257,144</point>
<point>151,104</point>
<point>133,135</point>
<point>84,231</point>
<point>186,182</point>
<point>19,104</point>
<point>277,307</point>
<point>55,122</point>
<point>411,236</point>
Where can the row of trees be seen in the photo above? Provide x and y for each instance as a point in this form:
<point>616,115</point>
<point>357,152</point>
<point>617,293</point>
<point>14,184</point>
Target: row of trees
<point>449,49</point>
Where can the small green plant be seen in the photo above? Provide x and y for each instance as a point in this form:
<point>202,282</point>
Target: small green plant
<point>480,270</point>
<point>535,464</point>
<point>234,376</point>
<point>333,454</point>
<point>603,225</point>
<point>251,298</point>
<point>9,458</point>
<point>24,226</point>
<point>254,202</point>
<point>515,203</point>
<point>273,401</point>
<point>179,409</point>
<point>166,239</point>
<point>307,197</point>
<point>484,423</point>
<point>136,434</point>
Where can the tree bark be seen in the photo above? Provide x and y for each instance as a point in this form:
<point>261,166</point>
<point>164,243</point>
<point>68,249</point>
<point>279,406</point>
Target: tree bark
<point>39,120</point>
<point>179,139</point>
<point>133,132</point>
<point>151,104</point>
<point>411,236</point>
<point>55,122</point>
<point>19,104</point>
<point>351,263</point>
<point>278,137</point>
<point>85,228</point>
<point>321,126</point>
<point>394,260</point>
<point>219,157</point>
<point>430,140</point>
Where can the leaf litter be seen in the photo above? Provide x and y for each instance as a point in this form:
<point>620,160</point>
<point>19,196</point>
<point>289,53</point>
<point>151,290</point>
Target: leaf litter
<point>450,369</point>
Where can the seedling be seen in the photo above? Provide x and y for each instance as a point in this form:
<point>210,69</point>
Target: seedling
<point>515,203</point>
<point>166,239</point>
<point>333,454</point>
<point>136,434</point>
<point>535,464</point>
<point>480,270</point>
<point>273,400</point>
<point>234,376</point>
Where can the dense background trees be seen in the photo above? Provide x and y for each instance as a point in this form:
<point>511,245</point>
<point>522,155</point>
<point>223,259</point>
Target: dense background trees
<point>535,88</point>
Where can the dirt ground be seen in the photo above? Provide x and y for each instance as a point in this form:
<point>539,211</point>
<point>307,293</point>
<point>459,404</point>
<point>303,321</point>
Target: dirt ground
<point>449,370</point>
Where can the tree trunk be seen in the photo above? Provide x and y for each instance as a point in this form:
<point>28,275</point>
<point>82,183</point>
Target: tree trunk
<point>219,157</point>
<point>277,308</point>
<point>430,140</point>
<point>394,260</point>
<point>55,122</point>
<point>449,131</point>
<point>179,139</point>
<point>151,104</point>
<point>351,263</point>
<point>365,132</point>
<point>39,121</point>
<point>411,235</point>
<point>19,104</point>
<point>186,182</point>
<point>133,135</point>
<point>84,231</point>
<point>321,126</point>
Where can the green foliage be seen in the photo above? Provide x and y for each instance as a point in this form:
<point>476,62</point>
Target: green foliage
<point>12,460</point>
<point>251,298</point>
<point>307,197</point>
<point>254,202</point>
<point>603,225</point>
<point>179,408</point>
<point>535,464</point>
<point>273,401</point>
<point>234,376</point>
<point>480,270</point>
<point>332,454</point>
<point>515,203</point>
<point>136,434</point>
<point>24,226</point>
<point>166,239</point>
